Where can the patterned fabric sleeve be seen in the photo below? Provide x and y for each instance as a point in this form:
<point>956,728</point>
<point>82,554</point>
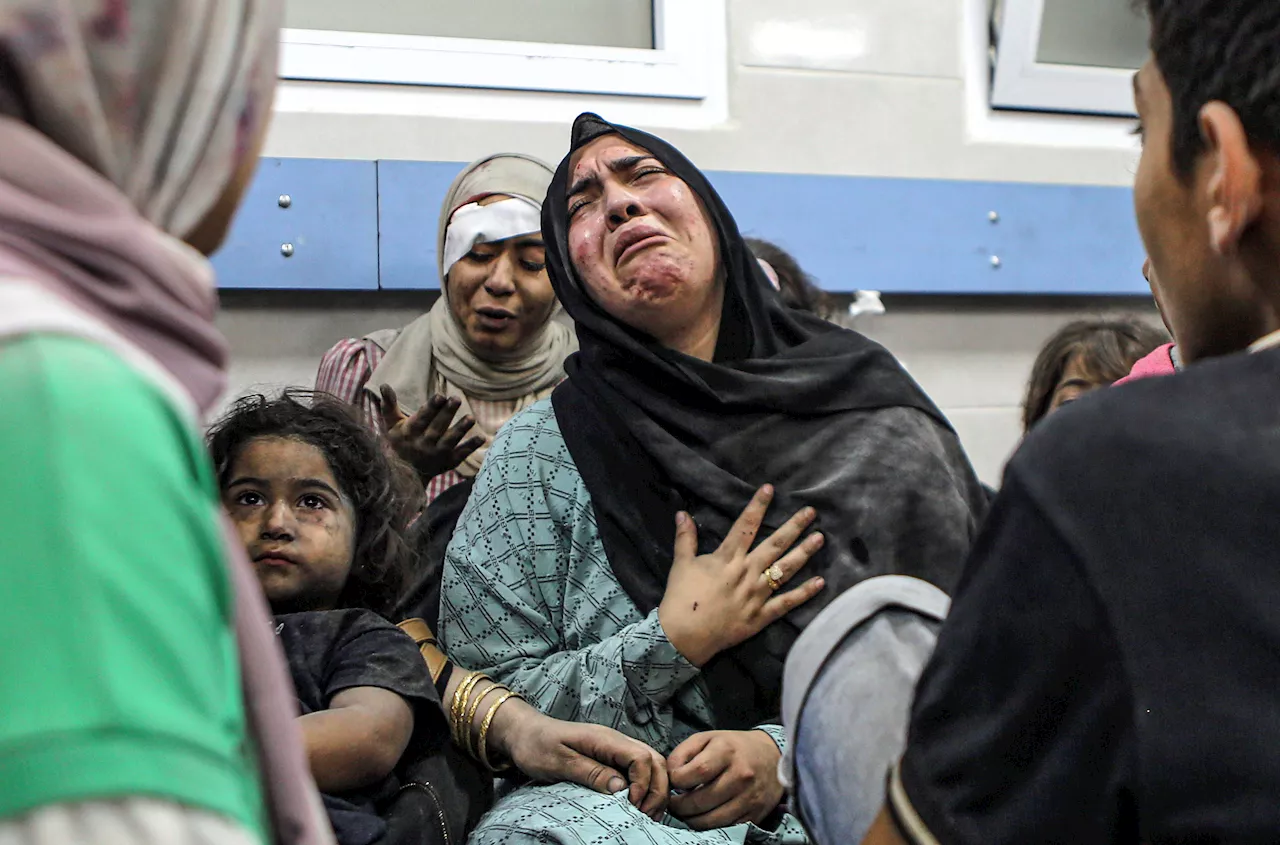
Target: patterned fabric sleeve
<point>530,598</point>
<point>344,371</point>
<point>778,734</point>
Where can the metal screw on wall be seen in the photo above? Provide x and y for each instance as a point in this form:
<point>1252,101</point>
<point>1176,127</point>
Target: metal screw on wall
<point>993,216</point>
<point>995,262</point>
<point>285,201</point>
<point>286,250</point>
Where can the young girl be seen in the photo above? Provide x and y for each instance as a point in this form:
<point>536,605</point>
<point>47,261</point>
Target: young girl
<point>312,496</point>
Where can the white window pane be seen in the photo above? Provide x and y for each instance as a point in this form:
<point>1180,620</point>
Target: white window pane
<point>605,23</point>
<point>1099,33</point>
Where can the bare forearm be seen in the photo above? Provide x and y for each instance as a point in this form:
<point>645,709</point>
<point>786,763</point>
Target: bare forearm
<point>456,676</point>
<point>356,745</point>
<point>482,697</point>
<point>514,719</point>
<point>338,751</point>
<point>550,750</point>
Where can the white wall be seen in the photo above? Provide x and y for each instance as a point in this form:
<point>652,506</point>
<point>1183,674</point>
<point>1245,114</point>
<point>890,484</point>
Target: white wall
<point>618,23</point>
<point>862,87</point>
<point>855,87</point>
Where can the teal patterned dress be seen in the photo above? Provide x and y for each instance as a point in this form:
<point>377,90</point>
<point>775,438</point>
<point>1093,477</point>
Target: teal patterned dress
<point>530,598</point>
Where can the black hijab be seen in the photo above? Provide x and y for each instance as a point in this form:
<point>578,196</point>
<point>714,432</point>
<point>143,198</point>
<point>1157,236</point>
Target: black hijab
<point>653,431</point>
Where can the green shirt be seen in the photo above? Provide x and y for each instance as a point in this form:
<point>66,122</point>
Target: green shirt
<point>119,669</point>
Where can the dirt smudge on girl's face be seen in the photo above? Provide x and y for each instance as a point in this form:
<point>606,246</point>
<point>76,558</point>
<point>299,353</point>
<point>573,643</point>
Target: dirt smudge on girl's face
<point>296,523</point>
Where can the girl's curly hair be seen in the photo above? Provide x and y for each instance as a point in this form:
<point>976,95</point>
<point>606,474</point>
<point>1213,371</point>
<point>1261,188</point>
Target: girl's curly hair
<point>365,473</point>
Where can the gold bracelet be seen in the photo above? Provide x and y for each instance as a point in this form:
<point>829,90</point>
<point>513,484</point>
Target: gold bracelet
<point>484,733</point>
<point>473,704</point>
<point>456,710</point>
<point>454,705</point>
<point>464,726</point>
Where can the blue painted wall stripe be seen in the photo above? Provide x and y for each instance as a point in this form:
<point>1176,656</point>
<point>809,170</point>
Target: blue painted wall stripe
<point>409,198</point>
<point>357,227</point>
<point>933,236</point>
<point>330,225</point>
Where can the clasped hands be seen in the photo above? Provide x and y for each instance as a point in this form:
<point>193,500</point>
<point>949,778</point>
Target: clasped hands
<point>711,780</point>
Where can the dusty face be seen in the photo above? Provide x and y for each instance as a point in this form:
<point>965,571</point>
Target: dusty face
<point>1200,284</point>
<point>641,241</point>
<point>297,526</point>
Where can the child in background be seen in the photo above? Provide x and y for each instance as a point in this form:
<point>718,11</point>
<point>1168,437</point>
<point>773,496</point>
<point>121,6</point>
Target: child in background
<point>1084,356</point>
<point>798,288</point>
<point>312,495</point>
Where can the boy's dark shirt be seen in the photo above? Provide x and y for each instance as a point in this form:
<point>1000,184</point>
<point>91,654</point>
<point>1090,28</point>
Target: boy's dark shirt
<point>1110,670</point>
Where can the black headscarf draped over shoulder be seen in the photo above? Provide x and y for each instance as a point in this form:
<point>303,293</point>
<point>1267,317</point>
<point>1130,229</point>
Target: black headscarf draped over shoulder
<point>789,399</point>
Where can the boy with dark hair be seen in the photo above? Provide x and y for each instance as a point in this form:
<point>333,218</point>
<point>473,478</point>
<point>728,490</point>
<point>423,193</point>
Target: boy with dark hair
<point>1108,672</point>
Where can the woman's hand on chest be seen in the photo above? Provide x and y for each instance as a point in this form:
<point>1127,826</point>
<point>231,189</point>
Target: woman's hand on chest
<point>715,601</point>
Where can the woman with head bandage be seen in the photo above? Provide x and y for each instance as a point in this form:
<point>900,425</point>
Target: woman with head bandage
<point>487,349</point>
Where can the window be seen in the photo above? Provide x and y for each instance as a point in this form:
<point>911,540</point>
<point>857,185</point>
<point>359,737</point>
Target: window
<point>1066,55</point>
<point>612,23</point>
<point>654,48</point>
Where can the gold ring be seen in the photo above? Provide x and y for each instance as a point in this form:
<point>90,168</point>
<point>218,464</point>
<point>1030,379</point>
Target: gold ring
<point>774,576</point>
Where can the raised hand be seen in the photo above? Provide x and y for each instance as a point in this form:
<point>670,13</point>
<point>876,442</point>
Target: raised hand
<point>717,600</point>
<point>425,440</point>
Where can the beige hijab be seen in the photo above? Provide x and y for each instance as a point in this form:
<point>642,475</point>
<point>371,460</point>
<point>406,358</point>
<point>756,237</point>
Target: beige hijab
<point>433,353</point>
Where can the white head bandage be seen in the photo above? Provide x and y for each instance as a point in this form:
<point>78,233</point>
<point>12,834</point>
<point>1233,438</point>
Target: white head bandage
<point>475,224</point>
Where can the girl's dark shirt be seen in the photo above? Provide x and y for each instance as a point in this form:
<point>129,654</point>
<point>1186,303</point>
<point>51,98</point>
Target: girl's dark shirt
<point>334,650</point>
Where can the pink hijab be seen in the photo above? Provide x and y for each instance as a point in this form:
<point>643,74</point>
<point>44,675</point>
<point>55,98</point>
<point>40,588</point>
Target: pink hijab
<point>122,122</point>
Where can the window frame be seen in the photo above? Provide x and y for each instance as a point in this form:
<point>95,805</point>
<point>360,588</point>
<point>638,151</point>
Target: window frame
<point>1019,81</point>
<point>679,66</point>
